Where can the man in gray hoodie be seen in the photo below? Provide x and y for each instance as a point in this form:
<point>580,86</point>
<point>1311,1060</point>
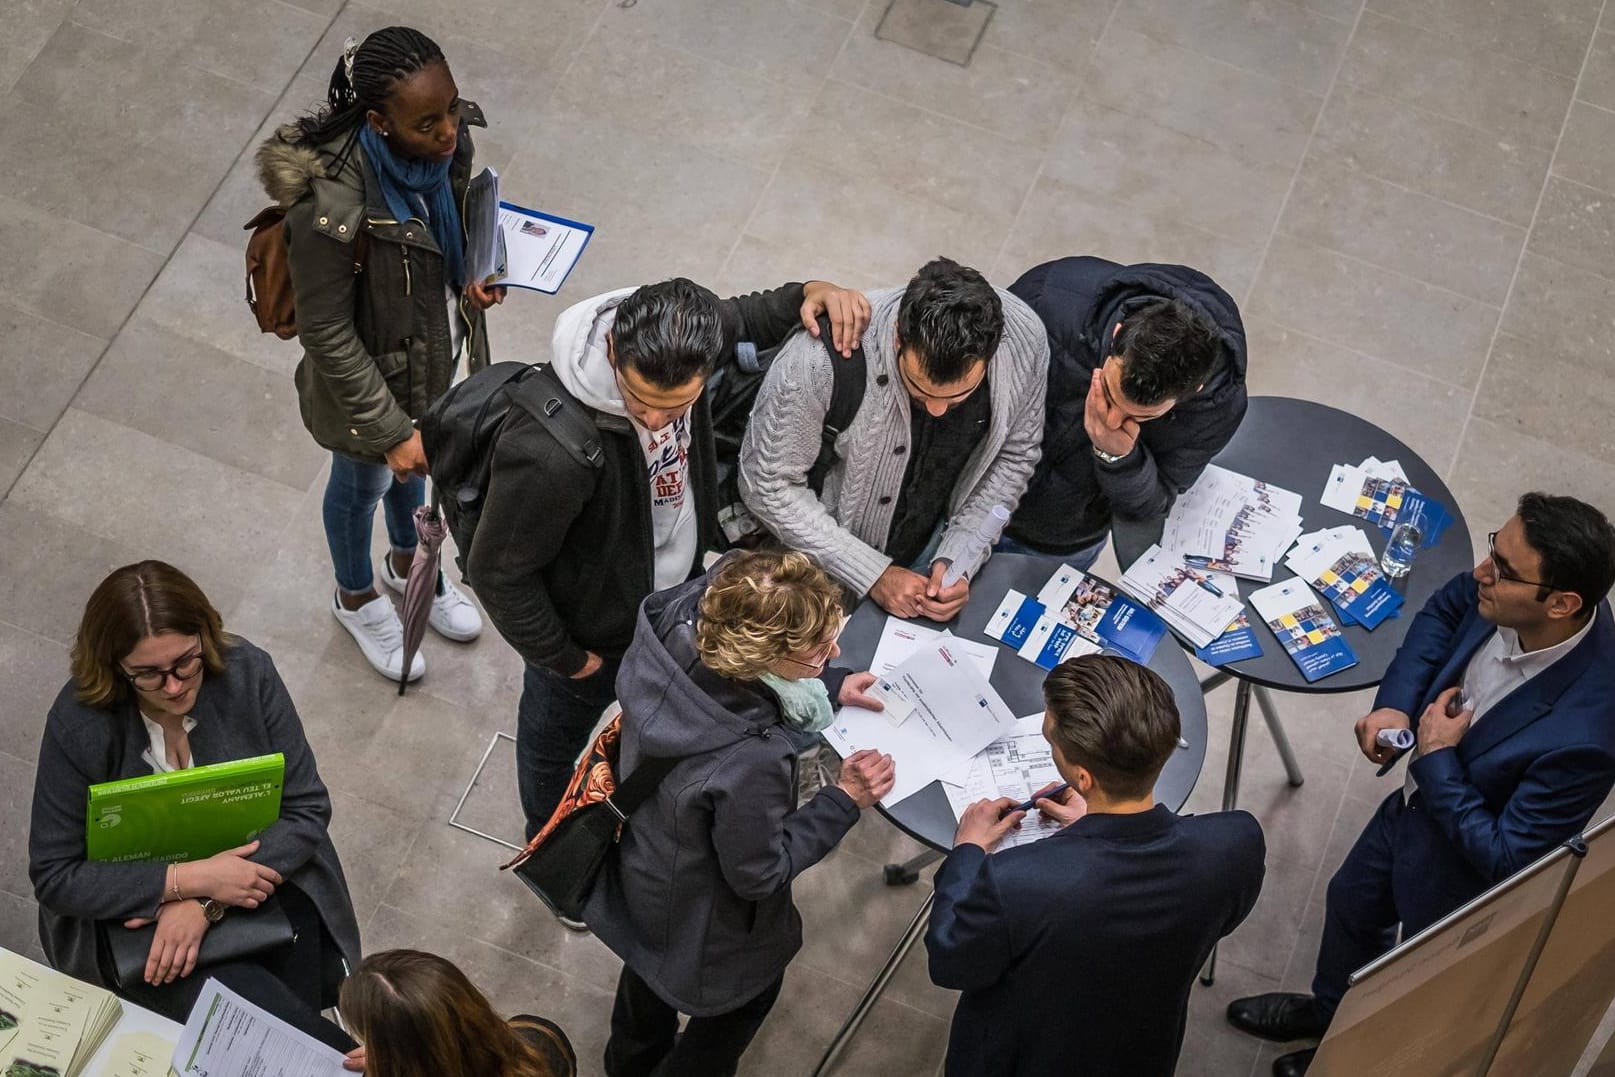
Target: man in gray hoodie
<point>566,550</point>
<point>950,426</point>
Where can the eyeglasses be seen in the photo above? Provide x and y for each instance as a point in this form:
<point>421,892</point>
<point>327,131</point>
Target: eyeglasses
<point>819,659</point>
<point>1501,571</point>
<point>150,680</point>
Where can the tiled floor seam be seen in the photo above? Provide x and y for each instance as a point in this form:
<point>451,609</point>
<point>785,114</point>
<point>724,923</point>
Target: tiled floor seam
<point>1542,194</point>
<point>1479,50</point>
<point>1295,176</point>
<point>168,257</point>
<point>571,977</point>
<point>1346,163</point>
<point>214,72</point>
<point>1315,338</point>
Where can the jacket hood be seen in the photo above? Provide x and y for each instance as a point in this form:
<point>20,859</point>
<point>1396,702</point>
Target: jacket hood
<point>680,707</point>
<point>287,167</point>
<point>1131,284</point>
<point>578,352</point>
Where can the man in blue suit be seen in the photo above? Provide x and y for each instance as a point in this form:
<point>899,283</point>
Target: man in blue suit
<point>1076,954</point>
<point>1511,670</point>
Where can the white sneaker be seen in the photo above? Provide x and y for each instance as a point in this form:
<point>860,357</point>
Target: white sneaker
<point>375,627</point>
<point>452,617</point>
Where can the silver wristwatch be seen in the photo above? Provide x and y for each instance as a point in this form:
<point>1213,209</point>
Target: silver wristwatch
<point>1110,458</point>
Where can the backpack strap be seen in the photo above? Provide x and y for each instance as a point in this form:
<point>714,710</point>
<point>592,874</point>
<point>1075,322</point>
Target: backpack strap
<point>639,785</point>
<point>542,396</point>
<point>846,397</point>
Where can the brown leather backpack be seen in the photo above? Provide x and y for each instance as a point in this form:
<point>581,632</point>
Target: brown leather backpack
<point>269,271</point>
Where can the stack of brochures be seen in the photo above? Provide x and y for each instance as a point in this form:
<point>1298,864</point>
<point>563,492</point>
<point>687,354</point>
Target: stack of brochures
<point>1075,614</point>
<point>1302,624</point>
<point>1340,563</point>
<point>1186,596</point>
<point>182,815</point>
<point>1233,523</point>
<point>50,1024</point>
<point>1378,491</point>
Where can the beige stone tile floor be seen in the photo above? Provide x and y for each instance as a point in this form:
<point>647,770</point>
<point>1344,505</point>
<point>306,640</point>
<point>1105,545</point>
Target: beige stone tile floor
<point>1414,203</point>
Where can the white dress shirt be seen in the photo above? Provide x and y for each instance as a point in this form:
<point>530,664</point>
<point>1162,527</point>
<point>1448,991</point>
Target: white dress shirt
<point>1496,670</point>
<point>156,753</point>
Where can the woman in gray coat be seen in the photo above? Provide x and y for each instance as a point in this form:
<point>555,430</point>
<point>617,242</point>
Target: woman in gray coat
<point>696,899</point>
<point>157,686</point>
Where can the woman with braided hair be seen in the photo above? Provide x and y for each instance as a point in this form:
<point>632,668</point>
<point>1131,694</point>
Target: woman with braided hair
<point>696,897</point>
<point>372,184</point>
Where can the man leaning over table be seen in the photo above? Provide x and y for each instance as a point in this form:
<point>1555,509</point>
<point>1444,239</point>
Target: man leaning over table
<point>949,427</point>
<point>1523,649</point>
<point>1146,385</point>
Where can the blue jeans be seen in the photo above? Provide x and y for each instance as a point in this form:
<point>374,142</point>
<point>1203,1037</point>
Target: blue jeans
<point>351,495</point>
<point>553,722</point>
<point>1082,559</point>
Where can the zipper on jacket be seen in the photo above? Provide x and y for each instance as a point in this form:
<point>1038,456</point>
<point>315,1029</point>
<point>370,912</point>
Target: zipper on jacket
<point>404,247</point>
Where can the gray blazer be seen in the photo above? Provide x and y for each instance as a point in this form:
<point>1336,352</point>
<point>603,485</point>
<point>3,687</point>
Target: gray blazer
<point>242,713</point>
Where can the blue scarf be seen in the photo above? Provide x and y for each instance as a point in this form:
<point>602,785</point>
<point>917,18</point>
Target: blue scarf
<point>412,188</point>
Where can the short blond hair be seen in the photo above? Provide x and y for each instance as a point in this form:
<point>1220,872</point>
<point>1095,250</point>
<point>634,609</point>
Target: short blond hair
<point>763,606</point>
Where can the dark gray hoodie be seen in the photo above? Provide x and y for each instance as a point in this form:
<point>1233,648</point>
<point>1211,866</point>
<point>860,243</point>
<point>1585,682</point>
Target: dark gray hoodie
<point>696,899</point>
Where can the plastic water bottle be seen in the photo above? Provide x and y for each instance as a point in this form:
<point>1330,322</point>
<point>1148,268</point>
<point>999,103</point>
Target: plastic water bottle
<point>1406,538</point>
<point>992,525</point>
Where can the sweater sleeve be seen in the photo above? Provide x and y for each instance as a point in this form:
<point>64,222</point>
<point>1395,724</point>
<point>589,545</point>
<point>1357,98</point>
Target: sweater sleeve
<point>781,445</point>
<point>323,289</point>
<point>65,882</point>
<point>532,501</point>
<point>761,842</point>
<point>1023,355</point>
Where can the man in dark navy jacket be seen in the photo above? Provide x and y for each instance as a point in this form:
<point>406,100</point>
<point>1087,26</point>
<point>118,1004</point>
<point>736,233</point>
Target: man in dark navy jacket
<point>1146,385</point>
<point>1076,954</point>
<point>1511,670</point>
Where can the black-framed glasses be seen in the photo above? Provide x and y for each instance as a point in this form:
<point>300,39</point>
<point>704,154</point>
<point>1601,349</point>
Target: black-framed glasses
<point>150,680</point>
<point>1501,571</point>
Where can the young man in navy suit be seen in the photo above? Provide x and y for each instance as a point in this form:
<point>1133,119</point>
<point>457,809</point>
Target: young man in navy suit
<point>1511,670</point>
<point>1076,954</point>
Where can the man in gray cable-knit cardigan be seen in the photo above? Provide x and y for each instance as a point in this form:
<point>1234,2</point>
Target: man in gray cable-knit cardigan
<point>951,425</point>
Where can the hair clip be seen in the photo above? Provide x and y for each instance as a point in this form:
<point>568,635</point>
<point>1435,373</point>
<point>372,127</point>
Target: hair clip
<point>350,49</point>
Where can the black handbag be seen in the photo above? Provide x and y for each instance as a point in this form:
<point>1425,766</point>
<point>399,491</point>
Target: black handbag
<point>561,862</point>
<point>242,933</point>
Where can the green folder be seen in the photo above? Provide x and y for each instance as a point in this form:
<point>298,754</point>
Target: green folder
<point>184,815</point>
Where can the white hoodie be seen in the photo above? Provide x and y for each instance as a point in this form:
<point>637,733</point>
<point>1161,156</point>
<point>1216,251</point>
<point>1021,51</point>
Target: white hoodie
<point>579,359</point>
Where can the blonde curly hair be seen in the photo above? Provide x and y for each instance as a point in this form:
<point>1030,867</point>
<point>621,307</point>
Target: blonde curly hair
<point>762,606</point>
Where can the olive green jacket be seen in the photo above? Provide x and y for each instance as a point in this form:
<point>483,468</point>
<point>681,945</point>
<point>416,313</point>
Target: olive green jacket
<point>374,323</point>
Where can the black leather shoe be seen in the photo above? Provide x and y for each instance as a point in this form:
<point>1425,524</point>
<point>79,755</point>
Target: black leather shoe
<point>1293,1064</point>
<point>1279,1016</point>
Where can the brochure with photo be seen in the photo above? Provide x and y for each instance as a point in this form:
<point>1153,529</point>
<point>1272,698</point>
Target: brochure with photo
<point>1302,625</point>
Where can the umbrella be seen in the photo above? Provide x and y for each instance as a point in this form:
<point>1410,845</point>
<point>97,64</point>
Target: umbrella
<point>421,586</point>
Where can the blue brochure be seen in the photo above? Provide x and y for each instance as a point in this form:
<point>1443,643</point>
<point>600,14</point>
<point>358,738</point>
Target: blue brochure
<point>1300,622</point>
<point>1234,645</point>
<point>1358,589</point>
<point>1075,614</point>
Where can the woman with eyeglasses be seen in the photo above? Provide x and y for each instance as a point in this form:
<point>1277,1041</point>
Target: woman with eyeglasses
<point>157,685</point>
<point>696,898</point>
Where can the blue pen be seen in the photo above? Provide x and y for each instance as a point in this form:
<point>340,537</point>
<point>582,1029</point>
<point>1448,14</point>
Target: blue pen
<point>1028,805</point>
<point>1208,585</point>
<point>1197,560</point>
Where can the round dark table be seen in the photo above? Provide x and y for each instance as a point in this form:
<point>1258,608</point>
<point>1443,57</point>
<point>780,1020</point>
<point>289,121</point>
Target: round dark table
<point>926,816</point>
<point>1294,444</point>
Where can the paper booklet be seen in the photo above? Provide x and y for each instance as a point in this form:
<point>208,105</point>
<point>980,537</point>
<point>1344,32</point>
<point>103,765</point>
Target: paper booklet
<point>1074,614</point>
<point>226,1036</point>
<point>947,713</point>
<point>1190,599</point>
<point>50,1023</point>
<point>184,815</point>
<point>1237,643</point>
<point>484,240</point>
<point>1233,523</point>
<point>1378,492</point>
<point>1341,564</point>
<point>1300,622</point>
<point>540,250</point>
<point>1017,764</point>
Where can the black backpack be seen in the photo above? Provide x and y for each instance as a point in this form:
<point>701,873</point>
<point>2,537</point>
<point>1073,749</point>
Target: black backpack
<point>731,393</point>
<point>460,431</point>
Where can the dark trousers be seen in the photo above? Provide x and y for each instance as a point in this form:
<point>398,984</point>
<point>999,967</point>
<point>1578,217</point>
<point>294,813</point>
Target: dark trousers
<point>293,983</point>
<point>645,1039</point>
<point>553,721</point>
<point>1378,886</point>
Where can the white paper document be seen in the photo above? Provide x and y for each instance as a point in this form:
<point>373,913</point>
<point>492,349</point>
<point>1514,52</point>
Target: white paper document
<point>900,641</point>
<point>228,1036</point>
<point>1198,603</point>
<point>1234,523</point>
<point>1017,764</point>
<point>956,713</point>
<point>540,250</point>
